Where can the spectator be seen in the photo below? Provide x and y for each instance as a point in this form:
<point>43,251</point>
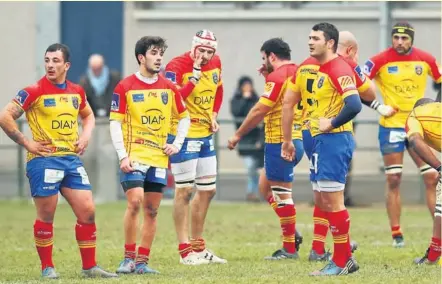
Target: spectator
<point>99,83</point>
<point>251,147</point>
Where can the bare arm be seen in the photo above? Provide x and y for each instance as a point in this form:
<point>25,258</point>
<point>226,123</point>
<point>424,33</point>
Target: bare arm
<point>418,144</point>
<point>8,116</point>
<point>255,116</point>
<point>290,100</point>
<point>369,95</point>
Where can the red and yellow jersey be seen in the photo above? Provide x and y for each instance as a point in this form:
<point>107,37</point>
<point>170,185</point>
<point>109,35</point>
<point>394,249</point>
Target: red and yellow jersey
<point>52,114</point>
<point>205,98</point>
<point>274,90</point>
<point>426,120</point>
<point>145,111</point>
<point>305,77</point>
<point>335,81</point>
<point>402,80</point>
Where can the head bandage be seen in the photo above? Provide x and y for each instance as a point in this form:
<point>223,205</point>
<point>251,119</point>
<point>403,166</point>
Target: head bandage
<point>400,30</point>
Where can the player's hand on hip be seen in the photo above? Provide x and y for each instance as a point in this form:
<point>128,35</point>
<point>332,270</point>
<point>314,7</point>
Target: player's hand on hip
<point>233,141</point>
<point>126,165</point>
<point>38,148</point>
<point>170,149</point>
<point>81,145</point>
<point>215,126</point>
<point>386,110</point>
<point>288,151</point>
<point>325,124</point>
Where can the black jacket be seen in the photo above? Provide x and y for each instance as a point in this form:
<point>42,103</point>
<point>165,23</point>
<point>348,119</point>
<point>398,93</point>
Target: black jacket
<point>102,102</point>
<point>240,107</point>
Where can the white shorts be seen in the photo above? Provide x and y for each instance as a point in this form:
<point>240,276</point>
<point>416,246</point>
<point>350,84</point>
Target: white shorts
<point>328,186</point>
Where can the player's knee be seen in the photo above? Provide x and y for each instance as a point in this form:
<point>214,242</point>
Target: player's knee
<point>431,178</point>
<point>150,210</point>
<point>394,180</point>
<point>183,194</point>
<point>133,206</point>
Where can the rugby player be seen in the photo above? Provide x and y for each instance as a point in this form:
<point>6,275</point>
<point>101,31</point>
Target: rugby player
<point>197,74</point>
<point>141,111</point>
<point>400,72</point>
<point>53,106</point>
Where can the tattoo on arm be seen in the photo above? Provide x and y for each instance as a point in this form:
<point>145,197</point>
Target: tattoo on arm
<point>15,111</point>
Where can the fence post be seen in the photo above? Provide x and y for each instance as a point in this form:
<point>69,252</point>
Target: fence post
<point>21,170</point>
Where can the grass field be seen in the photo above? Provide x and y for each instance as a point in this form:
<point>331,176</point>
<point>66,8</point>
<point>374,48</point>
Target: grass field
<point>241,233</point>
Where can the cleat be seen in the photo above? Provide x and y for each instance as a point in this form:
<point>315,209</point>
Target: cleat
<point>425,260</point>
<point>126,266</point>
<point>97,272</point>
<point>332,269</point>
<point>193,259</point>
<point>352,265</point>
<point>398,242</point>
<point>211,257</point>
<point>49,273</point>
<point>314,256</point>
<point>142,268</point>
<point>282,254</point>
<point>298,240</point>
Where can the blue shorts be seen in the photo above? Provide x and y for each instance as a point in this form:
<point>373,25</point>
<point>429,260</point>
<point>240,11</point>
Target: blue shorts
<point>331,157</point>
<point>392,140</point>
<point>142,174</point>
<point>47,175</point>
<point>307,141</point>
<point>193,148</point>
<point>278,169</point>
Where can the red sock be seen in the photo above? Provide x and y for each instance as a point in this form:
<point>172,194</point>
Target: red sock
<point>339,227</point>
<point>396,231</point>
<point>435,249</point>
<point>320,229</point>
<point>86,239</point>
<point>272,202</point>
<point>130,251</point>
<point>184,249</point>
<point>43,237</point>
<point>143,255</point>
<point>198,245</point>
<point>287,219</point>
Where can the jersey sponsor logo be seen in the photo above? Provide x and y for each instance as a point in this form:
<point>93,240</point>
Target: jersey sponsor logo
<point>115,104</point>
<point>64,124</point>
<point>21,97</point>
<point>358,71</point>
<point>204,101</point>
<point>215,78</point>
<point>63,99</point>
<point>418,69</point>
<point>346,83</point>
<point>171,76</point>
<point>165,97</point>
<point>138,98</point>
<point>320,82</point>
<point>406,88</point>
<point>49,102</point>
<point>75,103</point>
<point>268,88</point>
<point>368,67</point>
<point>153,119</point>
<point>392,69</point>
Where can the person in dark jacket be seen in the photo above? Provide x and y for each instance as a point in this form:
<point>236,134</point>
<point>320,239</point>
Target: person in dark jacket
<point>251,147</point>
<point>99,83</point>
